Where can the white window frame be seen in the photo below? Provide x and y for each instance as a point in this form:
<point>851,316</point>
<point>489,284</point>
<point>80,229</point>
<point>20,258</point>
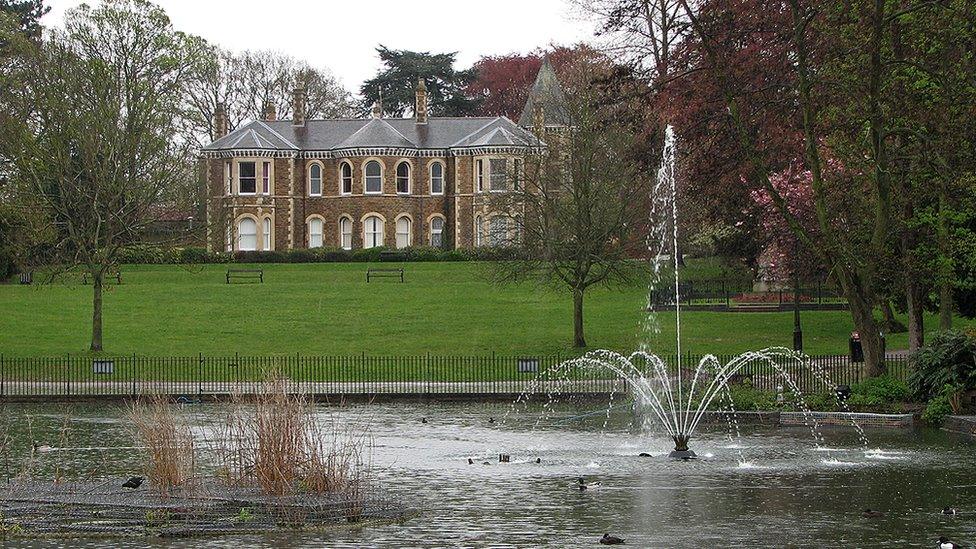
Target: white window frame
<point>398,177</point>
<point>266,234</point>
<point>430,170</point>
<point>266,177</point>
<point>343,178</point>
<point>240,234</point>
<point>407,235</point>
<point>440,233</point>
<point>492,175</point>
<point>311,234</point>
<point>373,242</point>
<point>228,178</point>
<point>320,178</point>
<point>343,234</point>
<point>239,191</point>
<point>479,175</point>
<point>366,177</point>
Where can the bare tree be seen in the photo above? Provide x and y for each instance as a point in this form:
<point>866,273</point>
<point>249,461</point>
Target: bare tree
<point>98,153</point>
<point>575,198</point>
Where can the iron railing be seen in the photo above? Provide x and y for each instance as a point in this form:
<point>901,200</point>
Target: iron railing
<point>731,295</point>
<point>425,375</point>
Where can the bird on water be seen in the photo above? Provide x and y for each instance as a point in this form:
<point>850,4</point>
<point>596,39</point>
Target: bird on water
<point>133,482</point>
<point>607,539</point>
<point>944,543</point>
<point>872,513</point>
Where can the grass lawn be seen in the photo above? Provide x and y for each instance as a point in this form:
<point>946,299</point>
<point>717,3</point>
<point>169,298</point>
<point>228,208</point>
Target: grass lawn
<point>328,309</point>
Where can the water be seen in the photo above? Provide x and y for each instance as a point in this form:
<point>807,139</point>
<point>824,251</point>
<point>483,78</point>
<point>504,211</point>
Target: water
<point>783,491</point>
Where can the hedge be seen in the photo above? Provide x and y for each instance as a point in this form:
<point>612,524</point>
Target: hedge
<point>148,254</point>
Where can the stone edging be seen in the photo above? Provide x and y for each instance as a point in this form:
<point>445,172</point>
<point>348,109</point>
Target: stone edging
<point>823,418</point>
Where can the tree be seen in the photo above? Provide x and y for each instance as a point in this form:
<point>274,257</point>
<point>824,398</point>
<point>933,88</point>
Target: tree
<point>26,15</point>
<point>98,151</point>
<point>397,82</point>
<point>576,207</point>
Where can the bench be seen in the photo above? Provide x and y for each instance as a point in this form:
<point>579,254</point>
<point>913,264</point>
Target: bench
<point>247,274</point>
<point>111,275</point>
<point>384,273</point>
<point>27,278</point>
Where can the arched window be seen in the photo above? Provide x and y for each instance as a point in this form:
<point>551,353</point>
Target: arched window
<point>315,233</point>
<point>437,232</point>
<point>374,177</point>
<point>403,178</point>
<point>404,235</point>
<point>498,231</point>
<point>247,235</point>
<point>345,233</point>
<point>266,234</point>
<point>478,231</point>
<point>315,180</point>
<point>437,178</point>
<point>345,176</point>
<point>372,232</point>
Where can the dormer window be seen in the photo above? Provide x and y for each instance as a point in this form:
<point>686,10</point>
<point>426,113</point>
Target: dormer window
<point>315,180</point>
<point>247,181</point>
<point>374,177</point>
<point>403,178</point>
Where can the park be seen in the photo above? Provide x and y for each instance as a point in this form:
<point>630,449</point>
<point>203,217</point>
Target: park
<point>653,273</point>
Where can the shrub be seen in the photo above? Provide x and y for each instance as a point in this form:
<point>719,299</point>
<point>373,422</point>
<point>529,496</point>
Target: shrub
<point>747,398</point>
<point>195,255</point>
<point>147,254</point>
<point>425,253</point>
<point>949,359</point>
<point>262,256</point>
<point>367,255</point>
<point>879,391</point>
<point>940,406</point>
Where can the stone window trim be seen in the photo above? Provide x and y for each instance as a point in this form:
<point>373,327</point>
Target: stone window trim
<point>237,231</point>
<point>403,178</point>
<point>479,175</point>
<point>430,176</point>
<point>408,233</point>
<point>267,233</point>
<point>343,178</point>
<point>367,243</point>
<point>253,180</point>
<point>308,231</point>
<point>366,163</point>
<point>343,233</point>
<point>260,162</point>
<point>308,178</point>
<point>430,229</point>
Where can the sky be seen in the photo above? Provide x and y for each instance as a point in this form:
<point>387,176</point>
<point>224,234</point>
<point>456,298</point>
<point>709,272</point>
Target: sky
<point>342,35</point>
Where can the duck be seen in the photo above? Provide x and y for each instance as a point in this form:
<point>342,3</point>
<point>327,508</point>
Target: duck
<point>470,461</point>
<point>538,460</point>
<point>133,482</point>
<point>607,539</point>
<point>872,513</point>
<point>944,543</point>
<point>644,455</point>
<point>491,420</point>
<point>38,447</point>
<point>423,420</point>
<point>948,511</point>
<point>582,485</point>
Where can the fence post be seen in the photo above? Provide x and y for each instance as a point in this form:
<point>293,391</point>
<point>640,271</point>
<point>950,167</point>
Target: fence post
<point>67,382</point>
<point>134,375</point>
<point>200,376</point>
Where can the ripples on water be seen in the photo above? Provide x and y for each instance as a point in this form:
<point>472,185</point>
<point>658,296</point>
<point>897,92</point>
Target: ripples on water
<point>772,487</point>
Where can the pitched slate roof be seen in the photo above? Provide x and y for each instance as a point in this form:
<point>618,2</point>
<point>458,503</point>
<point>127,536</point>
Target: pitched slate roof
<point>548,92</point>
<point>351,133</point>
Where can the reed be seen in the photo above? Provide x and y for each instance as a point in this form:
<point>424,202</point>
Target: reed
<point>168,442</point>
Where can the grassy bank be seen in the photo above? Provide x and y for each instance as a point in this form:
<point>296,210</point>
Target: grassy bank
<point>442,308</point>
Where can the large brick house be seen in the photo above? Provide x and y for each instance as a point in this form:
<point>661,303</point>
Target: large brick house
<point>359,183</point>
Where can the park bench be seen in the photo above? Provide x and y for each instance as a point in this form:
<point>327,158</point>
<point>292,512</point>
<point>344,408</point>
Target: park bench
<point>27,278</point>
<point>247,274</point>
<point>384,273</point>
<point>115,275</point>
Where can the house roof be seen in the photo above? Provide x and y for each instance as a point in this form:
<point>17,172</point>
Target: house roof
<point>547,92</point>
<point>352,133</point>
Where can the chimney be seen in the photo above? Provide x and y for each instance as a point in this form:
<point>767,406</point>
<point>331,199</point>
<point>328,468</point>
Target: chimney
<point>298,105</point>
<point>420,107</point>
<point>220,121</point>
<point>269,113</point>
<point>378,109</point>
<point>538,120</point>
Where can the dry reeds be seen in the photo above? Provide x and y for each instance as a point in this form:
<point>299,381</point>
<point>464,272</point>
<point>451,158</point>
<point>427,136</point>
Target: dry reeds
<point>168,441</point>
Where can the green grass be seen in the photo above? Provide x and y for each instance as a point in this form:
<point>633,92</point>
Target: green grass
<point>328,309</point>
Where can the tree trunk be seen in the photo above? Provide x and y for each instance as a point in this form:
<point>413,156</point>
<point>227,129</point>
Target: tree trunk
<point>96,338</point>
<point>870,332</point>
<point>578,339</point>
<point>891,324</point>
<point>914,299</point>
<point>945,305</point>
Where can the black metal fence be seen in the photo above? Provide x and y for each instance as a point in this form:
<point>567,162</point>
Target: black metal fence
<point>731,295</point>
<point>426,375</point>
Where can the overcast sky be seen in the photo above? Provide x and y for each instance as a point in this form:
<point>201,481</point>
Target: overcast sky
<point>343,35</point>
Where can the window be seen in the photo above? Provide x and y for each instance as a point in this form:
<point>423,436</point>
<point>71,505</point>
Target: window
<point>267,234</point>
<point>246,177</point>
<point>498,231</point>
<point>266,178</point>
<point>315,180</point>
<point>345,233</point>
<point>478,231</point>
<point>437,232</point>
<point>437,178</point>
<point>315,233</point>
<point>498,177</point>
<point>345,174</point>
<point>247,234</point>
<point>517,174</point>
<point>403,178</point>
<point>228,179</point>
<point>403,235</point>
<point>374,177</point>
<point>372,232</point>
<point>479,172</point>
